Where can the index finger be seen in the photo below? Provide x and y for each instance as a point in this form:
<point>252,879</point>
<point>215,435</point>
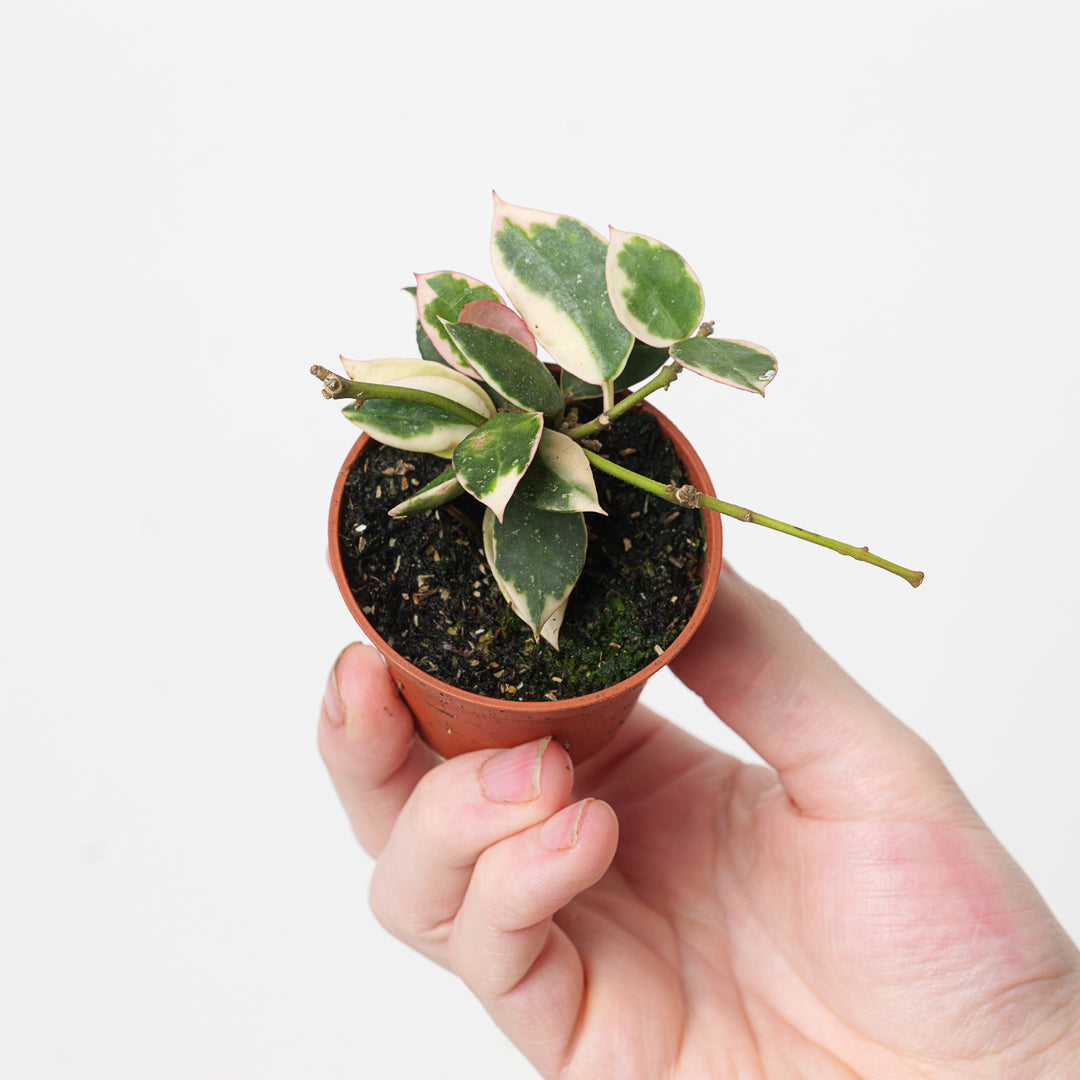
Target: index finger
<point>368,742</point>
<point>836,750</point>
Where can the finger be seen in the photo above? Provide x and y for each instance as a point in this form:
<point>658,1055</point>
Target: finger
<point>836,750</point>
<point>368,743</point>
<point>635,771</point>
<point>456,812</point>
<point>522,967</point>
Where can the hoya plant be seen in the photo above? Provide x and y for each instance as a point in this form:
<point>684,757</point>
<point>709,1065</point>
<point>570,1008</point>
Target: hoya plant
<point>619,319</point>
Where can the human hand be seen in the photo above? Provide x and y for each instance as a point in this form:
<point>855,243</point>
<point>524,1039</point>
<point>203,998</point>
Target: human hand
<point>667,910</point>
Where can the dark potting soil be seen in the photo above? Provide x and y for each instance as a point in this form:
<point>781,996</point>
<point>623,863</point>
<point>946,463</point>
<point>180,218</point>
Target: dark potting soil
<point>425,586</point>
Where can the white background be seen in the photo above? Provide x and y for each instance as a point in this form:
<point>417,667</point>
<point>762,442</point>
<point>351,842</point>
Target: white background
<point>199,202</point>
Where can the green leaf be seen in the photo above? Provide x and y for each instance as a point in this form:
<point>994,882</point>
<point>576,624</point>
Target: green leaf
<point>644,362</point>
<point>408,426</point>
<point>441,296</point>
<point>536,558</point>
<point>509,368</point>
<point>741,364</point>
<point>552,268</point>
<point>655,294</point>
<point>494,457</point>
<point>442,489</point>
<point>560,477</point>
<point>427,349</point>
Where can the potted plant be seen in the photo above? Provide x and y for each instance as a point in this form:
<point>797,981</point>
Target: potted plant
<point>476,482</point>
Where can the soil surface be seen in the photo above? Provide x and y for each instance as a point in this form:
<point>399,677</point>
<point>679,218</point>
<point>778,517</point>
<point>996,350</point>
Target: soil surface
<point>424,584</point>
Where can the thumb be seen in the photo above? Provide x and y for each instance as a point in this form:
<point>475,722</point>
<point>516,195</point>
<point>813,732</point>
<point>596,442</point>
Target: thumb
<point>836,750</point>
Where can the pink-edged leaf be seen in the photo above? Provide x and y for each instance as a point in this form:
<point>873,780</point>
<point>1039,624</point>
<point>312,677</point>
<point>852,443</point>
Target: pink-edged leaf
<point>741,364</point>
<point>655,294</point>
<point>495,315</point>
<point>441,295</point>
<point>552,269</point>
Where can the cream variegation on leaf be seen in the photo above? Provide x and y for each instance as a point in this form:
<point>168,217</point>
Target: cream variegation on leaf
<point>552,269</point>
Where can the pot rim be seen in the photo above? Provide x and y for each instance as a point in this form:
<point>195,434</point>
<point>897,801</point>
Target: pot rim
<point>712,562</point>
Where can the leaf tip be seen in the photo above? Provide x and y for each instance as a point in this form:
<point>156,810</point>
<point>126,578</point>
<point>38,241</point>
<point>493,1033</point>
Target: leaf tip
<point>552,625</point>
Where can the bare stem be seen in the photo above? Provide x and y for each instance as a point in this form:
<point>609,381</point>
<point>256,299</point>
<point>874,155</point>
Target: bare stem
<point>690,497</point>
<point>664,377</point>
<point>912,577</point>
<point>337,386</point>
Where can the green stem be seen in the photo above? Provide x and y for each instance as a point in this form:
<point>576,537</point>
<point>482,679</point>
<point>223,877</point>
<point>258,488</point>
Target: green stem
<point>653,487</point>
<point>912,577</point>
<point>337,386</point>
<point>690,497</point>
<point>665,377</point>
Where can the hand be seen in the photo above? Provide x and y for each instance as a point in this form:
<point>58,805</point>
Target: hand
<point>669,911</point>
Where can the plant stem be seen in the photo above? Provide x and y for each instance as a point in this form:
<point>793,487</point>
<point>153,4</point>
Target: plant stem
<point>690,497</point>
<point>337,386</point>
<point>664,377</point>
<point>912,577</point>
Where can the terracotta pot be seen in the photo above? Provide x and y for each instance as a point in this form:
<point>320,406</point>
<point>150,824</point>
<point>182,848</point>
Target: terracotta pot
<point>454,721</point>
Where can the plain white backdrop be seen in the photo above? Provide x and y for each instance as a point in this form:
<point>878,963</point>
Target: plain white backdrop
<point>199,202</point>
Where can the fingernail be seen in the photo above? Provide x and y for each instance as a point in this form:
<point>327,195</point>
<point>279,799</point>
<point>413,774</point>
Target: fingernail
<point>560,832</point>
<point>332,706</point>
<point>513,776</point>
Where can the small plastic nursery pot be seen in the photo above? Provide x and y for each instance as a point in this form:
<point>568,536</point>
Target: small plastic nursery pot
<point>454,721</point>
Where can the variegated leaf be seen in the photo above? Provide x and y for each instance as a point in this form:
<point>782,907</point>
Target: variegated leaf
<point>494,457</point>
<point>472,396</point>
<point>408,426</point>
<point>552,268</point>
<point>643,363</point>
<point>396,370</point>
<point>426,348</point>
<point>536,558</point>
<point>441,490</point>
<point>508,368</point>
<point>655,294</point>
<point>497,316</point>
<point>741,364</point>
<point>560,478</point>
<point>550,630</point>
<point>441,295</point>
